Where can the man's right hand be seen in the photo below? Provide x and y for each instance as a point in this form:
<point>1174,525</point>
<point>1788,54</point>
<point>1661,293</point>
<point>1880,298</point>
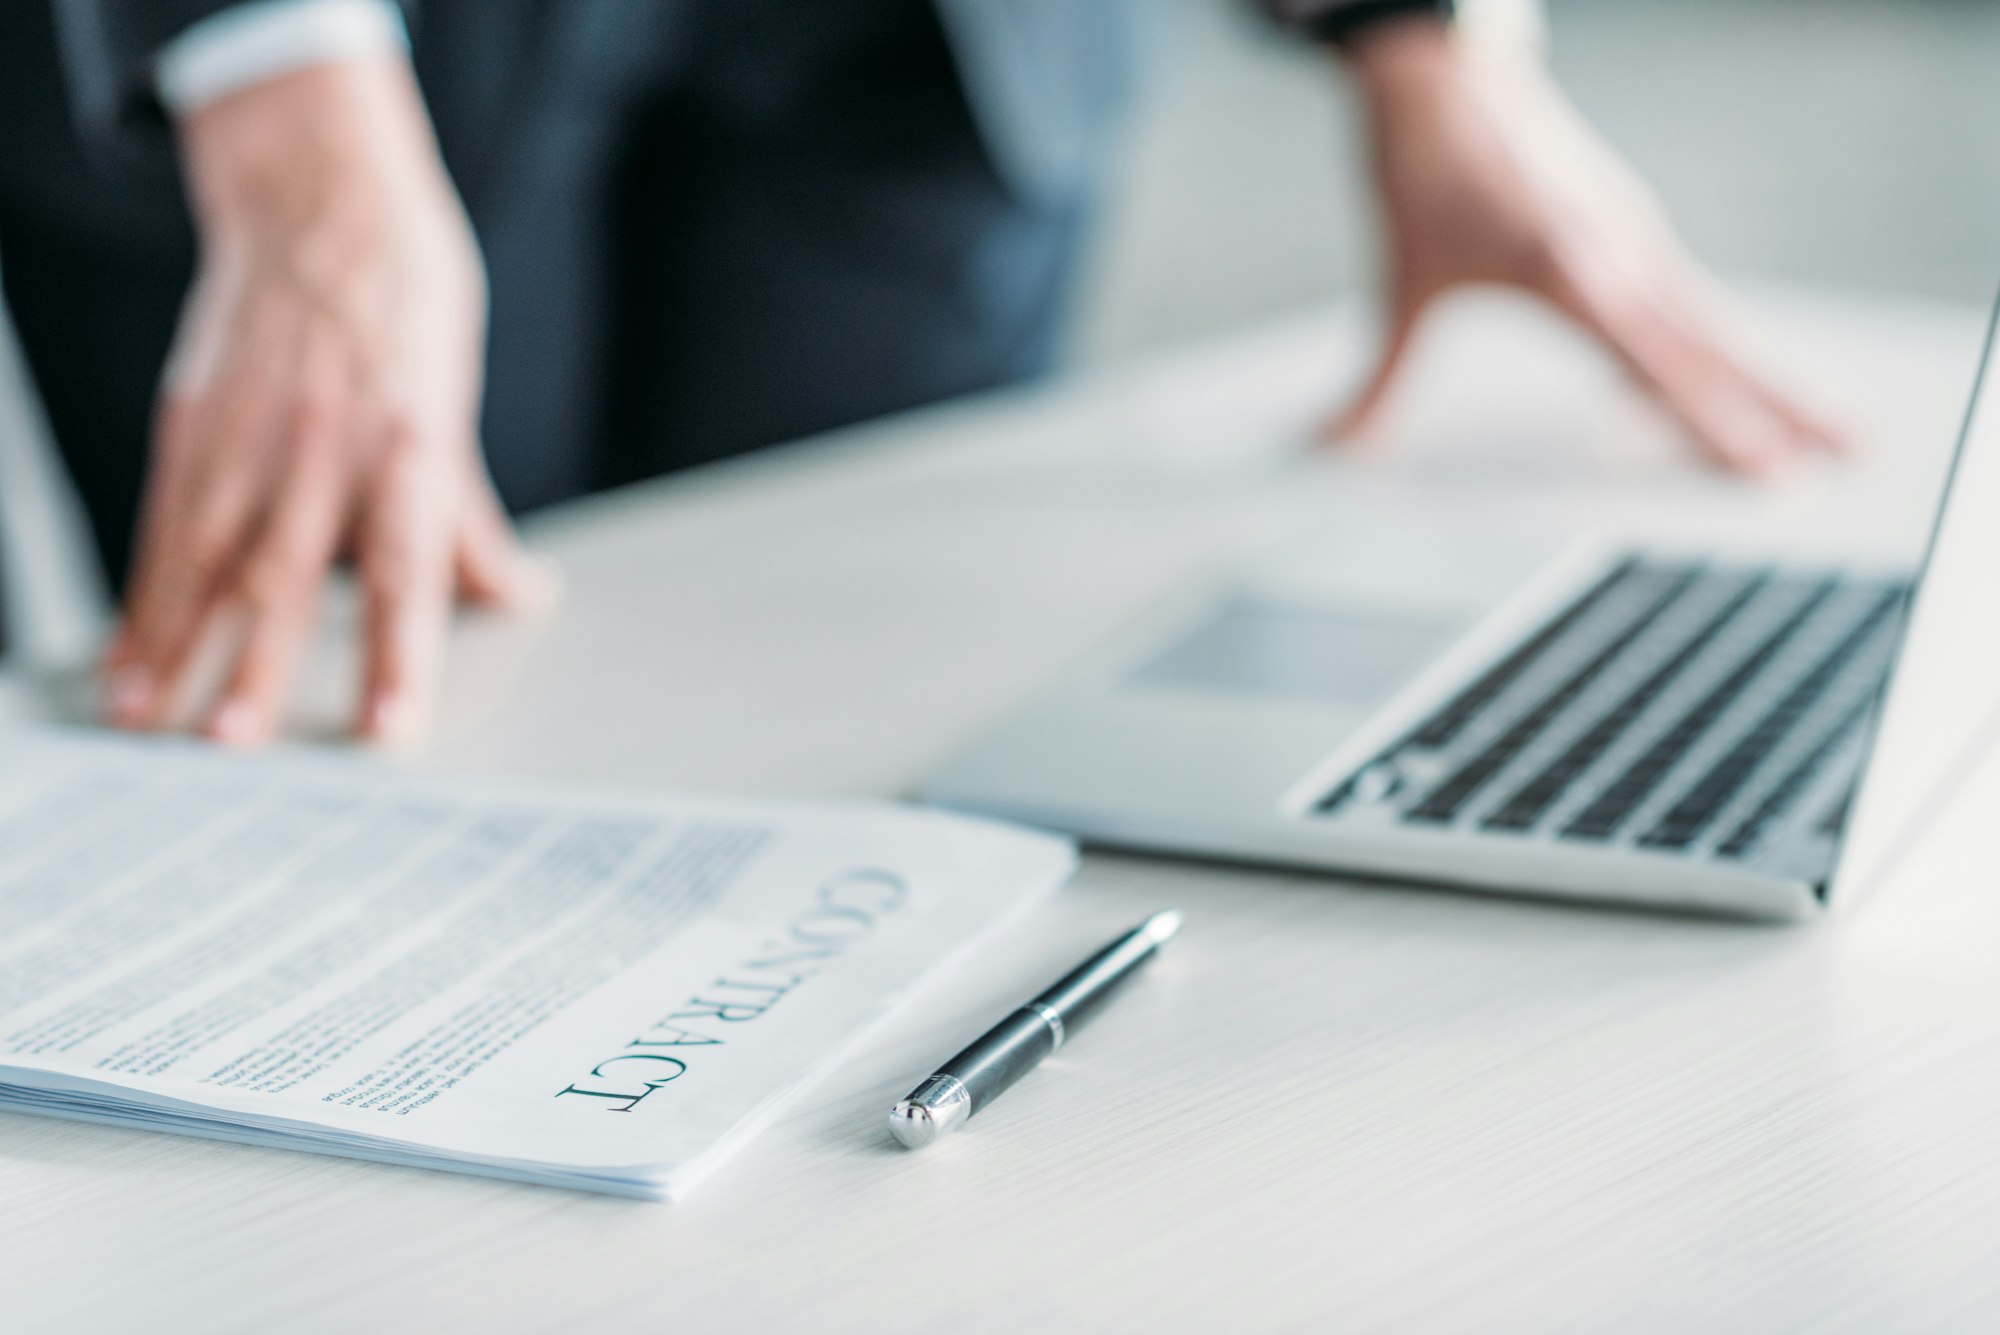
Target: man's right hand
<point>321,400</point>
<point>1488,175</point>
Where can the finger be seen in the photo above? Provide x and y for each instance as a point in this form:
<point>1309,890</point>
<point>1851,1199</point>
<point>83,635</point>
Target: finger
<point>1731,429</point>
<point>1813,430</point>
<point>492,568</point>
<point>1669,353</point>
<point>279,585</point>
<point>130,689</point>
<point>1742,421</point>
<point>1701,312</point>
<point>1721,415</point>
<point>1785,427</point>
<point>196,517</point>
<point>406,571</point>
<point>1364,410</point>
<point>1671,340</point>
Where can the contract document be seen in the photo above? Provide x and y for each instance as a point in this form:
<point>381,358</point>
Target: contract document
<point>597,990</point>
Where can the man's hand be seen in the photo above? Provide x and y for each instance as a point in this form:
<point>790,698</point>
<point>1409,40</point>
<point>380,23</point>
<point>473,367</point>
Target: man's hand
<point>322,400</point>
<point>1488,176</point>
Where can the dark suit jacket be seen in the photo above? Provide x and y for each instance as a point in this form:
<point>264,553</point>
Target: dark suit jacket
<point>1045,77</point>
<point>935,270</point>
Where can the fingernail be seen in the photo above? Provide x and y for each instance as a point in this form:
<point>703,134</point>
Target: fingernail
<point>130,694</point>
<point>383,718</point>
<point>542,583</point>
<point>234,723</point>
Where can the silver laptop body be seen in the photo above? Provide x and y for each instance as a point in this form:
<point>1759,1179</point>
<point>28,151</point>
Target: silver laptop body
<point>1676,728</point>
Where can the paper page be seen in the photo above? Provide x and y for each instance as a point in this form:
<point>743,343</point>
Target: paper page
<point>494,971</point>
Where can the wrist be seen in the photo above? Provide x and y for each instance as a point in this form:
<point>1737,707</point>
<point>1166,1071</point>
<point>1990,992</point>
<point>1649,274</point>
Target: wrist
<point>1400,53</point>
<point>249,41</point>
<point>307,141</point>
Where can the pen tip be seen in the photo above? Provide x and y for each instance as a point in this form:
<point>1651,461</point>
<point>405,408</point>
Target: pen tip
<point>1160,928</point>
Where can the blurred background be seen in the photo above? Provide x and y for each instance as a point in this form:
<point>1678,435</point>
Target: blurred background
<point>1851,143</point>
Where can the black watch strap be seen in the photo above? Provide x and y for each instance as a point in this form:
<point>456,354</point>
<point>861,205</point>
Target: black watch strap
<point>1338,22</point>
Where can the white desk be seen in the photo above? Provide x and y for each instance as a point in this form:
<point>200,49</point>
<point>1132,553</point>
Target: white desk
<point>1330,1106</point>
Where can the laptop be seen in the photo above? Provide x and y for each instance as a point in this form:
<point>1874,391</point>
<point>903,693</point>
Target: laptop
<point>1751,736</point>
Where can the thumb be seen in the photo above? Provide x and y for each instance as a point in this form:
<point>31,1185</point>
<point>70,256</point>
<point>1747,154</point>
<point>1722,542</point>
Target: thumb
<point>1364,411</point>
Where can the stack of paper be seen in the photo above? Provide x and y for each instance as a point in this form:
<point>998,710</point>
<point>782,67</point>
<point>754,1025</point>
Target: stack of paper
<point>604,991</point>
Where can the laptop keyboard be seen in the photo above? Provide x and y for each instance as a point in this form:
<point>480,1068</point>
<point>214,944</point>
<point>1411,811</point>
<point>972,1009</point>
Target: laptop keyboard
<point>1673,706</point>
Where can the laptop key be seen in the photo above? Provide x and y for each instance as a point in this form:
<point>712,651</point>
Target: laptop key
<point>1688,817</point>
<point>1748,835</point>
<point>1532,801</point>
<point>1444,726</point>
<point>1442,804</point>
<point>1601,819</point>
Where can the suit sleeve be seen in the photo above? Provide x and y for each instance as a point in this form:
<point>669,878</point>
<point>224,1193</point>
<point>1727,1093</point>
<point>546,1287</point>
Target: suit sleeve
<point>1334,21</point>
<point>108,52</point>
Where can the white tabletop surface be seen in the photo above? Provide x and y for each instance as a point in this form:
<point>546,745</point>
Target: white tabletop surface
<point>1330,1106</point>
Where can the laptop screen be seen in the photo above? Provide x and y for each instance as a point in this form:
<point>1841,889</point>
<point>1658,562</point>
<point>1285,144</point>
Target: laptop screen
<point>1940,706</point>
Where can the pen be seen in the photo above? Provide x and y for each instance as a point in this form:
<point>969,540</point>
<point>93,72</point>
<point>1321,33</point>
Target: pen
<point>1017,1045</point>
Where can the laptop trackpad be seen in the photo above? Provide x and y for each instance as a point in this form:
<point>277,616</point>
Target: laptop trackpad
<point>1346,656</point>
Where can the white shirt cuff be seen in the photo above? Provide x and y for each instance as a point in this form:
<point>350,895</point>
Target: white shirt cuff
<point>261,39</point>
<point>1504,25</point>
